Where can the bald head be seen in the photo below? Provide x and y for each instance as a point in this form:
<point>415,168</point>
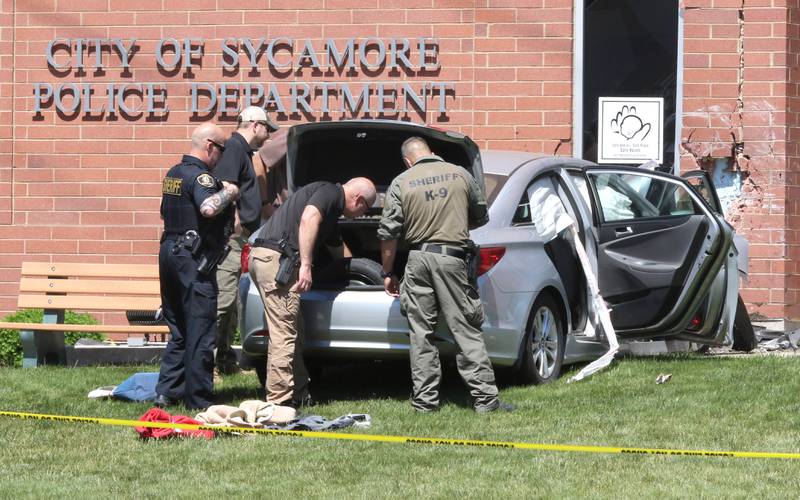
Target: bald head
<point>359,195</point>
<point>206,142</point>
<point>413,149</point>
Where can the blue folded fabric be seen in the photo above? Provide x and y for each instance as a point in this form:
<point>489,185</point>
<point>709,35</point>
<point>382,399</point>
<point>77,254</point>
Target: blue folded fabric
<point>137,387</point>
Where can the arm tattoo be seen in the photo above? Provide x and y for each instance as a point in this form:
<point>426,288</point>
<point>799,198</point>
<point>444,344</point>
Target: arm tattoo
<point>216,203</point>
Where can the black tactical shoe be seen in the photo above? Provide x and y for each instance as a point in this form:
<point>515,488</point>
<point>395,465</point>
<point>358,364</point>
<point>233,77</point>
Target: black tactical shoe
<point>496,406</point>
<point>307,401</point>
<point>162,401</point>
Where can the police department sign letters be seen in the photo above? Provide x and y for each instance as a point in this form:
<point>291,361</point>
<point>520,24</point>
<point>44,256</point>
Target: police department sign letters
<point>630,130</point>
<point>357,76</point>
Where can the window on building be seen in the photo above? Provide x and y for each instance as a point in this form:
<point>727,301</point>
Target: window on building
<point>630,49</point>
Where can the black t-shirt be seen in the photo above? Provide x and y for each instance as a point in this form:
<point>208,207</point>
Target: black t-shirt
<point>285,222</point>
<point>236,166</point>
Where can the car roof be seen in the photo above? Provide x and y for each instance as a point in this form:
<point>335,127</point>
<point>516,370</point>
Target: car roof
<point>506,162</point>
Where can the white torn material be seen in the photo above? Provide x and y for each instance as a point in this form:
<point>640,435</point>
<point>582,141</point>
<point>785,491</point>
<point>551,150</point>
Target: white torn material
<point>550,218</point>
<point>601,311</point>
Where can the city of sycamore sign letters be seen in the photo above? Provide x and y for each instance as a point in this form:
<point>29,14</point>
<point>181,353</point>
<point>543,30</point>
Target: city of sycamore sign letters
<point>280,57</point>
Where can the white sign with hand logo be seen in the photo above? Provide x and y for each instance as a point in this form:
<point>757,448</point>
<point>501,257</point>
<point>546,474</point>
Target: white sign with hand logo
<point>630,129</point>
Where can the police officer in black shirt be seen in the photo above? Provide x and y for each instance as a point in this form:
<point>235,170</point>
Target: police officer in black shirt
<point>236,166</point>
<point>280,266</point>
<point>193,206</point>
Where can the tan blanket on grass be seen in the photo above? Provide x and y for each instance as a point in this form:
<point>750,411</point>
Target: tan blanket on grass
<point>251,413</point>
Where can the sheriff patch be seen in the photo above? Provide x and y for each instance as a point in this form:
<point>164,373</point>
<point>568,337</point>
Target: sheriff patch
<point>171,185</point>
<point>206,180</point>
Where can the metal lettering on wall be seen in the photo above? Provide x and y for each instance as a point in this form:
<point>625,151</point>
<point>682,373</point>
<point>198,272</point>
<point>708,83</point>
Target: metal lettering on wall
<point>301,78</point>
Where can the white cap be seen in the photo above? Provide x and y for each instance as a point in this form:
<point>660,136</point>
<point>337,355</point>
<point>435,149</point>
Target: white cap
<point>257,114</point>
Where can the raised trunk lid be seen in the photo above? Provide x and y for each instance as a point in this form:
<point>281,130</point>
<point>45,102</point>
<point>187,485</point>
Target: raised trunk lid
<point>338,151</point>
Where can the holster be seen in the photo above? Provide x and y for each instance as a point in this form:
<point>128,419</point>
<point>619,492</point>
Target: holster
<point>209,262</point>
<point>288,261</point>
<point>473,259</point>
<point>286,266</point>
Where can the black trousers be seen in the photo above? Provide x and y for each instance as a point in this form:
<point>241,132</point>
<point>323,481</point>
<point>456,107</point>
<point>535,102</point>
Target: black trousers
<point>189,302</point>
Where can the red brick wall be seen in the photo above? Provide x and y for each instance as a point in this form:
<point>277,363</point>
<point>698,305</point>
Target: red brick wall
<point>792,269</point>
<point>734,108</point>
<point>6,106</point>
<point>88,190</point>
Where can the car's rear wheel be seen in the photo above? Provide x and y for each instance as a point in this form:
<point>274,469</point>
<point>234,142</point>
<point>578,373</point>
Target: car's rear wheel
<point>259,364</point>
<point>545,342</point>
<point>744,337</point>
<point>365,272</point>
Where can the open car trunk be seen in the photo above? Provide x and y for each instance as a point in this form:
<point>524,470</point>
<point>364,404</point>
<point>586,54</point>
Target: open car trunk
<point>338,151</point>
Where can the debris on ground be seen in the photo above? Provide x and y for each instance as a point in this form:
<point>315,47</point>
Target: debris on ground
<point>771,343</point>
<point>663,378</point>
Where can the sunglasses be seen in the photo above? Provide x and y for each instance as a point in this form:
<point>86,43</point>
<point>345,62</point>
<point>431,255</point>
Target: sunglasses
<point>218,145</point>
<point>263,124</point>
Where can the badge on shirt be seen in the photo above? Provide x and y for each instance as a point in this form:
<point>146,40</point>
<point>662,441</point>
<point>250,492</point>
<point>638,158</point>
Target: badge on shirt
<point>206,180</point>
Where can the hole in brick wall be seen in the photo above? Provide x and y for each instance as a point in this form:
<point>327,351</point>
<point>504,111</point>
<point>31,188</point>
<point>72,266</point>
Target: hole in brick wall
<point>727,179</point>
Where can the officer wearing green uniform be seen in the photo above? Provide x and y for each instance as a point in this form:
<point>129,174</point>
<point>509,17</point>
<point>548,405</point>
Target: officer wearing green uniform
<point>434,204</point>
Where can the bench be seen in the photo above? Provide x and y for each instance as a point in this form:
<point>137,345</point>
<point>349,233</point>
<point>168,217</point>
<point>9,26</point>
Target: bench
<point>56,287</point>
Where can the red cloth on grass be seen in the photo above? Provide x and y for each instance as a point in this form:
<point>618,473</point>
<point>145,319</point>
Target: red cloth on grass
<point>159,415</point>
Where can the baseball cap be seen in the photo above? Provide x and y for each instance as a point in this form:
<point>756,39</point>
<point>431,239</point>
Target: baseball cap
<point>256,114</point>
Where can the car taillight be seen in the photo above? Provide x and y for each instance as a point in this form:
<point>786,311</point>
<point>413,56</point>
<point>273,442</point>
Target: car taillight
<point>489,257</point>
<point>245,257</point>
<point>260,333</point>
<point>696,322</point>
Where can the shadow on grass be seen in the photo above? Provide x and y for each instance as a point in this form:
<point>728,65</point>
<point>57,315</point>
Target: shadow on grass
<point>385,379</point>
<point>355,380</point>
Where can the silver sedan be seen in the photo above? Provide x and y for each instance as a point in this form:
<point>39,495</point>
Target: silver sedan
<point>665,258</point>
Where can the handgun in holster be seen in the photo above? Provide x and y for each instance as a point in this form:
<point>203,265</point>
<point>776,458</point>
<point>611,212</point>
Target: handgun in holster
<point>288,261</point>
<point>209,262</point>
<point>473,259</point>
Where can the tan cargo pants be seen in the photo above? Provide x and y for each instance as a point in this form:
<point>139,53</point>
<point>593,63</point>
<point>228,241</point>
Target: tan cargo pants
<point>436,286</point>
<point>287,377</point>
<point>228,272</point>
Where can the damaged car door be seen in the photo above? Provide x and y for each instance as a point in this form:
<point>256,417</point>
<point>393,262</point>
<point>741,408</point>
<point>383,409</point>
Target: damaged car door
<point>660,251</point>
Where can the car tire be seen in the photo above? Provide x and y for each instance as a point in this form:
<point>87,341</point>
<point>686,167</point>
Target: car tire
<point>259,364</point>
<point>314,369</point>
<point>365,272</point>
<point>744,337</point>
<point>543,357</point>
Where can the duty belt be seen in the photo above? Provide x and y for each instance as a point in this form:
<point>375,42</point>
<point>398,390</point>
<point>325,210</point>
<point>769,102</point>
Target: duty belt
<point>452,251</point>
<point>190,240</point>
<point>262,243</point>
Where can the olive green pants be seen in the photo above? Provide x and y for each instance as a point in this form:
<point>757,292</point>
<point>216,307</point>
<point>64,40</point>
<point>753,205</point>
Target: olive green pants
<point>436,286</point>
<point>228,273</point>
<point>287,377</point>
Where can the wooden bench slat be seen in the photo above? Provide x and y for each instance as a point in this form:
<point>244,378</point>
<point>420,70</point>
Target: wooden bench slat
<point>73,269</point>
<point>59,327</point>
<point>89,302</point>
<point>128,287</point>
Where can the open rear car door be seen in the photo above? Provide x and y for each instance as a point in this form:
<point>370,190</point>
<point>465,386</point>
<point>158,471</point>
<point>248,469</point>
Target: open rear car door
<point>660,250</point>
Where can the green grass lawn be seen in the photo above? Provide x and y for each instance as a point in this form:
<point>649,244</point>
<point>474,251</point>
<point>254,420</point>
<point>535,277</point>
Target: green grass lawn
<point>742,404</point>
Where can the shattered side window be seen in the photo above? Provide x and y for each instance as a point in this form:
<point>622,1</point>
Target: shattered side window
<point>632,196</point>
<point>615,203</point>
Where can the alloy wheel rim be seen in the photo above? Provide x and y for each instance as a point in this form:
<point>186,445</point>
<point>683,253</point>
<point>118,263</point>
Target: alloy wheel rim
<point>544,340</point>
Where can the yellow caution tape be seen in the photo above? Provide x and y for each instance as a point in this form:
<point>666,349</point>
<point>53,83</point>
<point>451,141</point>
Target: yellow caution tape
<point>403,439</point>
